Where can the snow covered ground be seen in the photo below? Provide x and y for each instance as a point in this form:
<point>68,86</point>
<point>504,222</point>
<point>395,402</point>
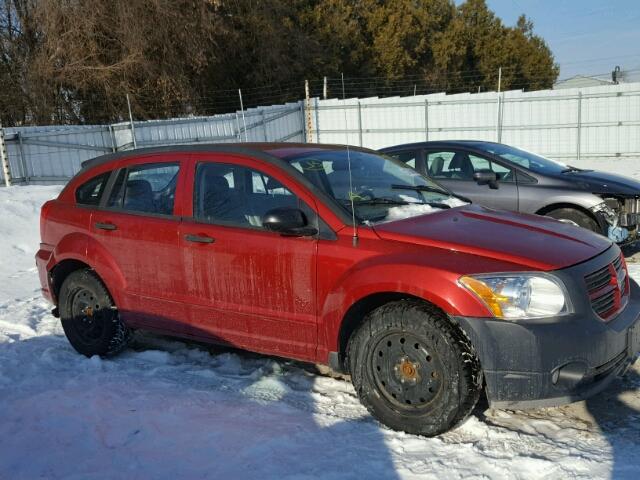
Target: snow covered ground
<point>168,409</point>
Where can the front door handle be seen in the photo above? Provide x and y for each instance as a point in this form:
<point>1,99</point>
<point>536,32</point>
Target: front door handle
<point>105,226</point>
<point>198,238</point>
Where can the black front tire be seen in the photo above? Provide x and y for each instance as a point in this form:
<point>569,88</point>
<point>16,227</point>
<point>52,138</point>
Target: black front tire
<point>413,369</point>
<point>89,317</point>
<point>575,217</point>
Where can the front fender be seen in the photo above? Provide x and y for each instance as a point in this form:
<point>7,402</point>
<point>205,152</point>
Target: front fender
<point>395,275</point>
<point>537,203</point>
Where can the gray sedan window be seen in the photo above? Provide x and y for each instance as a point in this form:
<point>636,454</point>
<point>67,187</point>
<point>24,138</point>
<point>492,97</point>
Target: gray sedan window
<point>460,165</point>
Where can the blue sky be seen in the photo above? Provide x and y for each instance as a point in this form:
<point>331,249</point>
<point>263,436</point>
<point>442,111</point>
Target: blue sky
<point>585,36</point>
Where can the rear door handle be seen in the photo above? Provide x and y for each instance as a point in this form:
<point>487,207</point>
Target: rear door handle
<point>198,238</point>
<point>105,226</point>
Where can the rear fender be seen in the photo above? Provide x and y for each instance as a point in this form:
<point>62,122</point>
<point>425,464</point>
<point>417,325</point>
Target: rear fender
<point>83,248</point>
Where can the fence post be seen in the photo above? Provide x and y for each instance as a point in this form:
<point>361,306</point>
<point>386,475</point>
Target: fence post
<point>23,161</point>
<point>264,124</point>
<point>112,135</point>
<point>307,105</point>
<point>133,130</point>
<point>426,120</point>
<point>316,107</point>
<point>359,122</point>
<point>499,120</point>
<point>303,125</point>
<point>579,126</point>
<point>239,134</point>
<point>4,158</point>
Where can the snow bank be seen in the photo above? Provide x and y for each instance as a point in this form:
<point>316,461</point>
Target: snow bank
<point>20,235</point>
<point>170,409</point>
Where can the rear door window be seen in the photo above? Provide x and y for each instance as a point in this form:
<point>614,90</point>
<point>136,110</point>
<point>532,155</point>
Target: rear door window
<point>90,192</point>
<point>146,188</point>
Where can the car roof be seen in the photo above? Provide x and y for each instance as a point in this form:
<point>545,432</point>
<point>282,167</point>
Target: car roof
<point>434,143</point>
<point>264,150</point>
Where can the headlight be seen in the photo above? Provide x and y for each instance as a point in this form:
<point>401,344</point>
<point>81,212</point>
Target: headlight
<point>519,295</point>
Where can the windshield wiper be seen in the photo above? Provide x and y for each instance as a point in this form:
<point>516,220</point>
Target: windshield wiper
<point>426,188</point>
<point>421,188</point>
<point>381,201</point>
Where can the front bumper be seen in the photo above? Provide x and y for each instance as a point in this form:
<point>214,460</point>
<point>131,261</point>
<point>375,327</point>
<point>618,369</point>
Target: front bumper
<point>549,362</point>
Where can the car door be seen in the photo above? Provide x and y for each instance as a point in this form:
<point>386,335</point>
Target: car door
<point>455,169</point>
<point>136,228</point>
<point>248,286</point>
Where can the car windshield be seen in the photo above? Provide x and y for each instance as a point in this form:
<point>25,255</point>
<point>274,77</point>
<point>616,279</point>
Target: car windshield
<point>381,188</point>
<point>528,160</point>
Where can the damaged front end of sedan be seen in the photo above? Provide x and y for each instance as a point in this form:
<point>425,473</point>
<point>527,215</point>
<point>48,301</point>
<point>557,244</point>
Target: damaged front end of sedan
<point>619,216</point>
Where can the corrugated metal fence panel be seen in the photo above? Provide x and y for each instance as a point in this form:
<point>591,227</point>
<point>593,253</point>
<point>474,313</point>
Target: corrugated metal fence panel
<point>213,129</point>
<point>49,154</point>
<point>56,153</point>
<point>594,122</point>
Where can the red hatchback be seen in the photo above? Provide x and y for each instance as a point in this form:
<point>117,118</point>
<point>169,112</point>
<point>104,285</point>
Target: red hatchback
<point>340,256</point>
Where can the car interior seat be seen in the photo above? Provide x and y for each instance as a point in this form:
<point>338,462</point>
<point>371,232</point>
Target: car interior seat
<point>461,166</point>
<point>216,201</point>
<point>435,170</point>
<point>139,196</point>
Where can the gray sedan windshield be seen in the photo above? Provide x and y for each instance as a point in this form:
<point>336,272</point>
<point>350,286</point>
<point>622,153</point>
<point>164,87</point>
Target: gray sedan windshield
<point>531,161</point>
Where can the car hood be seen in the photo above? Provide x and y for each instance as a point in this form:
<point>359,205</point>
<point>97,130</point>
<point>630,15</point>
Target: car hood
<point>602,182</point>
<point>532,241</point>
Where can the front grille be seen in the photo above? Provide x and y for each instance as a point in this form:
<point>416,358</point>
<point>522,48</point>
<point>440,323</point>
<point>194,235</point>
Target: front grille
<point>598,279</point>
<point>604,303</point>
<point>608,288</point>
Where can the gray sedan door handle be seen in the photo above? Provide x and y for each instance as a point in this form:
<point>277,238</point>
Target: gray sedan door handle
<point>198,238</point>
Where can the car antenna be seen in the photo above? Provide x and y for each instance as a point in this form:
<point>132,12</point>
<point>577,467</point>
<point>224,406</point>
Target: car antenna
<point>346,133</point>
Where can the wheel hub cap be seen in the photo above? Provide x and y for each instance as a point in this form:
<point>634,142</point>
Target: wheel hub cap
<point>89,321</point>
<point>407,371</point>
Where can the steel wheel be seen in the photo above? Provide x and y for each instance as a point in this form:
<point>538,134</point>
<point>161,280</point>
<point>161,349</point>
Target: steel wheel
<point>406,371</point>
<point>88,316</point>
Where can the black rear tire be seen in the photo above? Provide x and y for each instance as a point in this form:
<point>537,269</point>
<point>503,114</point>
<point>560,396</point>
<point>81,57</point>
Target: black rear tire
<point>574,217</point>
<point>413,369</point>
<point>89,317</point>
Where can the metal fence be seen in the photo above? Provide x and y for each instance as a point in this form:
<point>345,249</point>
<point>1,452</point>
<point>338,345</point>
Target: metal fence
<point>594,123</point>
<point>54,154</point>
<point>575,124</point>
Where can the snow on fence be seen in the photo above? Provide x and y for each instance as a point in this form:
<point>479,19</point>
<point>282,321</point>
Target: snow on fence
<point>593,123</point>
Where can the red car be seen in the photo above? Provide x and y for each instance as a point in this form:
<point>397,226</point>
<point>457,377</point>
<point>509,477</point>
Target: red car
<point>345,257</point>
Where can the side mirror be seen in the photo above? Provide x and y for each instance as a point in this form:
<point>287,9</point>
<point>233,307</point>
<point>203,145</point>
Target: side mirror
<point>486,178</point>
<point>288,221</point>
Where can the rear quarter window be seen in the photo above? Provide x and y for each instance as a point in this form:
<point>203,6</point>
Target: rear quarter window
<point>90,192</point>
